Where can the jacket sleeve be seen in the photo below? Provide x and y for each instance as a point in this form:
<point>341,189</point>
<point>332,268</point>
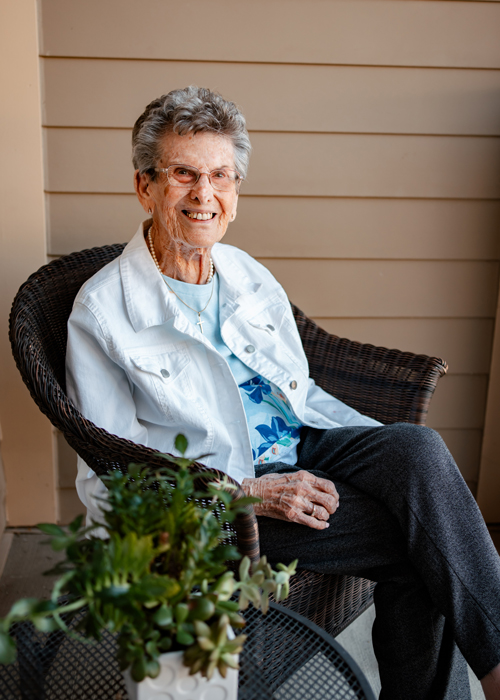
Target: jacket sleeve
<point>96,383</point>
<point>328,406</point>
<point>100,390</point>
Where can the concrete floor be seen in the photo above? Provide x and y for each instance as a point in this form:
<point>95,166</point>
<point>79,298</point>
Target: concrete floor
<point>28,558</point>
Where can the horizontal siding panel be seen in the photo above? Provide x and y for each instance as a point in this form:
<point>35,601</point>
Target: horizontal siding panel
<point>465,446</point>
<point>309,227</point>
<point>284,31</point>
<point>363,288</point>
<point>367,228</point>
<point>332,98</point>
<point>458,402</point>
<point>98,160</point>
<point>83,221</point>
<point>465,343</point>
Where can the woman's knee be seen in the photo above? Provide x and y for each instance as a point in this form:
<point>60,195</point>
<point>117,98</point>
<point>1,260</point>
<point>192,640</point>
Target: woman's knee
<point>417,446</point>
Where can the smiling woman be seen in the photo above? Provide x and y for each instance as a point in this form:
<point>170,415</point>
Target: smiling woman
<point>190,210</point>
<point>183,334</point>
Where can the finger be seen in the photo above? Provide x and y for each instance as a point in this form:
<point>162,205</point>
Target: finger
<point>308,520</point>
<point>318,512</point>
<point>326,500</point>
<point>318,482</point>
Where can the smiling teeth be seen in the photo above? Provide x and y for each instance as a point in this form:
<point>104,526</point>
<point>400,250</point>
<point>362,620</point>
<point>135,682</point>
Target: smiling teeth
<point>199,215</point>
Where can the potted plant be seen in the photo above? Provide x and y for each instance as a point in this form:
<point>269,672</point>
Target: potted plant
<point>160,578</point>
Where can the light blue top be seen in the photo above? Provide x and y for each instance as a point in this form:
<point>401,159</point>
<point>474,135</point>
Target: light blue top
<point>273,427</point>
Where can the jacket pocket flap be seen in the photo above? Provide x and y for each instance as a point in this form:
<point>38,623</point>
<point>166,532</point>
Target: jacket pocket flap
<point>269,319</point>
<point>165,365</point>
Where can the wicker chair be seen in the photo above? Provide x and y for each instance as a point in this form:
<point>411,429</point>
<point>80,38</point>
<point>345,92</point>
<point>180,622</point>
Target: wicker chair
<point>387,384</point>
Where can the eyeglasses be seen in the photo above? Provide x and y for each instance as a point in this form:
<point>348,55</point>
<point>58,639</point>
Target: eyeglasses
<point>187,176</point>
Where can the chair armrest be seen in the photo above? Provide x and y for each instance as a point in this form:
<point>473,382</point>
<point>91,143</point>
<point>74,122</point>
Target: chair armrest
<point>388,385</point>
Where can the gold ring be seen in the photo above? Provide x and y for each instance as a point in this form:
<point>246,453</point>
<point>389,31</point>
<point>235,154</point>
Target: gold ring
<point>314,508</point>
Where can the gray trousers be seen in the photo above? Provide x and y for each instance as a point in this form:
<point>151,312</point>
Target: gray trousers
<point>407,520</point>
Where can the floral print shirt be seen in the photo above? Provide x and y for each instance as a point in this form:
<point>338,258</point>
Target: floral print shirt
<point>274,429</point>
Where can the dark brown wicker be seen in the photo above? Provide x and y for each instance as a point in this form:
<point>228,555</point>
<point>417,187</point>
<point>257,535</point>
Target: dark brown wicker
<point>387,384</point>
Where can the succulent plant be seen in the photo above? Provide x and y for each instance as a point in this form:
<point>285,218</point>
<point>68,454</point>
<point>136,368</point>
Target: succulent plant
<point>160,579</point>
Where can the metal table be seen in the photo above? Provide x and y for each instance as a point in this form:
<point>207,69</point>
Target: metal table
<point>285,657</point>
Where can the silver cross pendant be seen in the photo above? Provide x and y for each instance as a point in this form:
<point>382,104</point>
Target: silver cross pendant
<point>200,322</point>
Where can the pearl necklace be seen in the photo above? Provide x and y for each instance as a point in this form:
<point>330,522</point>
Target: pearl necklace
<point>155,259</point>
<point>209,279</point>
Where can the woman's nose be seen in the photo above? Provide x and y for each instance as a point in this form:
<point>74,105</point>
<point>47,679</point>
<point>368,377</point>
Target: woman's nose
<point>203,189</point>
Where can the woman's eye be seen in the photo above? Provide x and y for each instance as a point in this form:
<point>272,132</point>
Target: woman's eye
<point>219,174</point>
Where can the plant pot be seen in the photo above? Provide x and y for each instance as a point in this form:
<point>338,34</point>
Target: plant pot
<point>175,683</point>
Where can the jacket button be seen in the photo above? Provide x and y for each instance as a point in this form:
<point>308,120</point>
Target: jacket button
<point>271,328</point>
<point>293,385</point>
<point>165,373</point>
<point>250,348</point>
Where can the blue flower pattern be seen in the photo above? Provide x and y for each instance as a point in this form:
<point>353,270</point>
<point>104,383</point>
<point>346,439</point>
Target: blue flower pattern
<point>274,429</point>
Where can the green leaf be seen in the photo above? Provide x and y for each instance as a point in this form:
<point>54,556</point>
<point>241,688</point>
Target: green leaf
<point>138,669</point>
<point>134,470</point>
<point>201,628</point>
<point>151,648</point>
<point>203,610</point>
<point>206,644</point>
<point>45,624</point>
<point>51,529</point>
<point>181,613</point>
<point>23,608</point>
<point>244,568</point>
<point>7,649</point>
<point>76,524</point>
<point>184,638</point>
<point>152,668</point>
<point>163,616</point>
<point>181,443</point>
<point>165,644</point>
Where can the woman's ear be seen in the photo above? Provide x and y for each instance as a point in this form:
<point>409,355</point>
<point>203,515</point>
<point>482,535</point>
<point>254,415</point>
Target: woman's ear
<point>142,185</point>
<point>235,207</point>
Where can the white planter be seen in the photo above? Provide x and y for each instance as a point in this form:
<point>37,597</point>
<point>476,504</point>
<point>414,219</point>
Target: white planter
<point>175,683</point>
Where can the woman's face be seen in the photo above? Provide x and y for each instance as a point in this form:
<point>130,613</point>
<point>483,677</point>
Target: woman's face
<point>173,207</point>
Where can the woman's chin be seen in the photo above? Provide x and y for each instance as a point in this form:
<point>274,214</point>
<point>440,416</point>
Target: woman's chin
<point>202,236</point>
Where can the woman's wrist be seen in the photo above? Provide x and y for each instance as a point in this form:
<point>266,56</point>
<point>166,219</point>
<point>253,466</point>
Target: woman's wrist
<point>251,488</point>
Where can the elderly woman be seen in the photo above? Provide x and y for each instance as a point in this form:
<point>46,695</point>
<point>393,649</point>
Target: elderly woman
<point>183,333</point>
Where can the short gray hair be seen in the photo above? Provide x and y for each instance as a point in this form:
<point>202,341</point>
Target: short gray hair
<point>188,111</point>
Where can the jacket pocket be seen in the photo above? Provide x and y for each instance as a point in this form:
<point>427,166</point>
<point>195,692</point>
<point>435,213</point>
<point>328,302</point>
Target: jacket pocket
<point>166,376</point>
<point>165,366</point>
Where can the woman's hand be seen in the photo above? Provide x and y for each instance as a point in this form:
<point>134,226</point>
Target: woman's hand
<point>299,497</point>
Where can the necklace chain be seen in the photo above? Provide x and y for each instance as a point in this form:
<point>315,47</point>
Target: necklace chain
<point>209,279</point>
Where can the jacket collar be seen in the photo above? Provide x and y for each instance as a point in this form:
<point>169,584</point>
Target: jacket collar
<point>146,295</point>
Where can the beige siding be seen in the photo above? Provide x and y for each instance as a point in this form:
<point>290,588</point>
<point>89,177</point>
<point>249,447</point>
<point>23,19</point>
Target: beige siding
<point>366,32</point>
<point>318,227</point>
<point>363,99</point>
<point>301,164</point>
<point>389,288</point>
<point>374,188</point>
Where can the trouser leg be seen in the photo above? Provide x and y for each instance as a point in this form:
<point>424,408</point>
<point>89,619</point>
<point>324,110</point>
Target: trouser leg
<point>441,550</point>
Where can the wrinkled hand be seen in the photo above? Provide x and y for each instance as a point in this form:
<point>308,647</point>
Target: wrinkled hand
<point>299,497</point>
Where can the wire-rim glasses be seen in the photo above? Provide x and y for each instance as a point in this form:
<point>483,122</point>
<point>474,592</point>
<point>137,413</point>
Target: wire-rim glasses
<point>179,175</point>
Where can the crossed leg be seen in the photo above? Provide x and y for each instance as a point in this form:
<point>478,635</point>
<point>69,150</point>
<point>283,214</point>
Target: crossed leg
<point>407,520</point>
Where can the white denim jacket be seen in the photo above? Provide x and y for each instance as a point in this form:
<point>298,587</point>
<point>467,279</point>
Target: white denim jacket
<point>138,368</point>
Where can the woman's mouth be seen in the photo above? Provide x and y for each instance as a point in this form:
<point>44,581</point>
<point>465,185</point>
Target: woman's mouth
<point>198,215</point>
